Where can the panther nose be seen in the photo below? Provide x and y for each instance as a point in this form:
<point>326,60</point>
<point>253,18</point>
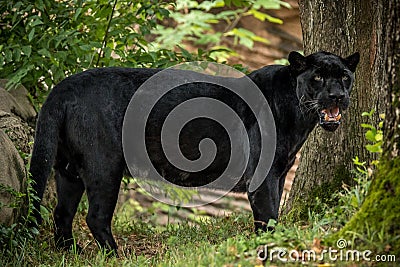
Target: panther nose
<point>337,97</point>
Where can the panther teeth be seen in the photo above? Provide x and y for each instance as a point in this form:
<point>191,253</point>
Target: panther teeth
<point>327,118</point>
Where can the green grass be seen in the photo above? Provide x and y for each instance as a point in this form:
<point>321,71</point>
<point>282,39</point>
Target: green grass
<point>226,241</point>
<point>198,241</point>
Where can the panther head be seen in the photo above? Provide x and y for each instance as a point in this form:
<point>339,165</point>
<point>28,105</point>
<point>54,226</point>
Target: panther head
<point>324,83</point>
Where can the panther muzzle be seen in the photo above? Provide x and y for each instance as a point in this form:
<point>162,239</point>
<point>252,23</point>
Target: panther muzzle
<point>330,118</point>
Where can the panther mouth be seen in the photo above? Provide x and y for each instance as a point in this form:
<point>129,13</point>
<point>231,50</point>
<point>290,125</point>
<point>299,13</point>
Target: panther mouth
<point>330,118</point>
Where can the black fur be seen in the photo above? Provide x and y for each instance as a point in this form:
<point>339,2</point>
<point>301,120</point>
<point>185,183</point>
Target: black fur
<point>79,134</point>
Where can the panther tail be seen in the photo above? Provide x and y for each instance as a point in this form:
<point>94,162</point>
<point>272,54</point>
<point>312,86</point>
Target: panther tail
<point>44,152</point>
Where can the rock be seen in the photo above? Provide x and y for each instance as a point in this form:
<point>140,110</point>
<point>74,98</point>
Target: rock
<point>19,132</point>
<point>16,111</point>
<point>12,178</point>
<point>16,138</point>
<point>16,101</point>
<point>17,122</point>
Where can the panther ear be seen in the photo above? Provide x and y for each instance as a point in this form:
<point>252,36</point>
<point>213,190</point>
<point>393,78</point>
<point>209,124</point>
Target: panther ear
<point>352,61</point>
<point>297,61</point>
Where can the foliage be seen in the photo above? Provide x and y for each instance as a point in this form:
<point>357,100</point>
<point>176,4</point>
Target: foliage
<point>217,241</point>
<point>205,241</point>
<point>351,199</point>
<point>41,42</point>
<point>13,236</point>
<point>375,223</point>
<point>346,201</point>
<point>374,134</point>
<point>193,23</point>
<point>373,203</point>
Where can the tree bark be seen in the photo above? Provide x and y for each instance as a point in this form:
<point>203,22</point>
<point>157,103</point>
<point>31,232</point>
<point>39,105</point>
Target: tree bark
<point>381,209</point>
<point>341,27</point>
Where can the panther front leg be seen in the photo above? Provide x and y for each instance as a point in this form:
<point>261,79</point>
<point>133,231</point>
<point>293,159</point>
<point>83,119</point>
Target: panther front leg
<point>265,201</point>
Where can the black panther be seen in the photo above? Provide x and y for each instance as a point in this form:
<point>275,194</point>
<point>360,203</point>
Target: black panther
<point>79,134</point>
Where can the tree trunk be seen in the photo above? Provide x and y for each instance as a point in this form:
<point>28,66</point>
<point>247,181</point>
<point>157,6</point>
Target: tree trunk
<point>381,209</point>
<point>341,27</point>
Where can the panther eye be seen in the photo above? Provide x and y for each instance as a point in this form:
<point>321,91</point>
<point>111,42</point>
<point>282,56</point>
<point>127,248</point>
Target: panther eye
<point>345,78</point>
<point>318,78</point>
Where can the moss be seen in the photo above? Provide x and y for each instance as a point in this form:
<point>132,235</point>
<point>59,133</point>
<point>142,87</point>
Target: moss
<point>323,192</point>
<point>381,210</point>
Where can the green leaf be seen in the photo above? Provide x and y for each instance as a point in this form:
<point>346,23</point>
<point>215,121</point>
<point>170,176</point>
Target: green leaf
<point>214,21</point>
<point>285,4</point>
<point>31,34</point>
<point>86,47</point>
<point>27,50</point>
<point>17,54</point>
<point>263,16</point>
<point>375,148</point>
<point>36,22</point>
<point>368,126</point>
<point>246,42</point>
<point>379,136</point>
<point>77,13</point>
<point>96,44</point>
<point>274,20</point>
<point>207,5</point>
<point>241,32</point>
<point>44,52</point>
<point>370,135</point>
<point>8,55</point>
<point>163,13</point>
<point>356,161</point>
<point>257,14</point>
<point>271,4</point>
<point>361,170</point>
<point>209,38</point>
<point>260,39</point>
<point>354,202</point>
<point>271,223</point>
<point>186,53</point>
<point>369,114</point>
